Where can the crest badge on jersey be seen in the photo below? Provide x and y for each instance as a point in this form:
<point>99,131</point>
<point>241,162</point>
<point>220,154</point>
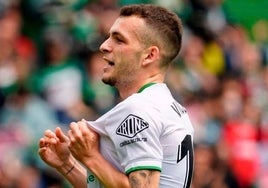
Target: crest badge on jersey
<point>131,126</point>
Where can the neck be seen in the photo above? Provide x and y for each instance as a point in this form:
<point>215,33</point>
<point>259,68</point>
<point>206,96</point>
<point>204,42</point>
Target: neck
<point>127,89</point>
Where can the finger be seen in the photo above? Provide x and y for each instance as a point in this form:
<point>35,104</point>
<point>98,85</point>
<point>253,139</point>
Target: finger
<point>61,136</point>
<point>42,152</point>
<point>47,139</point>
<point>71,136</point>
<point>50,134</point>
<point>74,127</point>
<point>88,131</point>
<point>85,122</point>
<point>50,140</point>
<point>42,147</point>
<point>83,126</point>
<point>42,143</point>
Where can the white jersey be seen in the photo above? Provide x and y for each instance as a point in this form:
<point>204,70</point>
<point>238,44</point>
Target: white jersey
<point>148,131</point>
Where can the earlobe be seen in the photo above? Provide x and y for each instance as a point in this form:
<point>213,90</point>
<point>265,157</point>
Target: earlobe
<point>151,55</point>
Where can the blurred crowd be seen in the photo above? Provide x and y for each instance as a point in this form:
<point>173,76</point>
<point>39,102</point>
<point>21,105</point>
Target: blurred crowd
<point>50,70</point>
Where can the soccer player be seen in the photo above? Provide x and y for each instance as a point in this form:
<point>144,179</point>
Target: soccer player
<point>146,140</point>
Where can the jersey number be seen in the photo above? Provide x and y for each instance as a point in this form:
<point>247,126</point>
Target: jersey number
<point>185,149</point>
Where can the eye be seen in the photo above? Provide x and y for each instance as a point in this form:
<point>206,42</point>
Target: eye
<point>119,40</point>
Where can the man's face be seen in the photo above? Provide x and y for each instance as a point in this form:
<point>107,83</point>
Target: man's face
<point>123,51</point>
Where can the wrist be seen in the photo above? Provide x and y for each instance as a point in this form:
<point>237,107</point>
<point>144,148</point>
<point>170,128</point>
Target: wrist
<point>94,162</point>
<point>67,166</point>
<point>70,169</point>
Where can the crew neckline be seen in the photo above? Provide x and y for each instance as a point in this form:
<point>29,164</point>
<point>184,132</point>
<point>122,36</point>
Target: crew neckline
<point>146,86</point>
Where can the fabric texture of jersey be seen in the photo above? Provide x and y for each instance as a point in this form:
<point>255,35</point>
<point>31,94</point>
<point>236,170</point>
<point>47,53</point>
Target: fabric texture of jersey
<point>148,130</point>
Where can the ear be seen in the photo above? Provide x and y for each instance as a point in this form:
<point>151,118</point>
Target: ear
<point>151,55</point>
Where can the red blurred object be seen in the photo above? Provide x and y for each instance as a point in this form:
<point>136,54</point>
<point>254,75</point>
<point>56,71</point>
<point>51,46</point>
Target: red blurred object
<point>241,139</point>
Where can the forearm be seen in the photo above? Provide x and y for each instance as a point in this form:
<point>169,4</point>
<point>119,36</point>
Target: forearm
<point>75,173</point>
<point>106,173</point>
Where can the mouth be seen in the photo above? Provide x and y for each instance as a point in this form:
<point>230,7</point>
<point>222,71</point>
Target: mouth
<point>108,65</point>
<point>111,63</point>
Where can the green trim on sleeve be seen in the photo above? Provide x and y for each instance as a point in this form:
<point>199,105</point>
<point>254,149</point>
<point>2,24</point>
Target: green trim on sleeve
<point>143,168</point>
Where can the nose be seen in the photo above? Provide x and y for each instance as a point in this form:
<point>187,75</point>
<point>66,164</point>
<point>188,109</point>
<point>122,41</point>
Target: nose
<point>105,47</point>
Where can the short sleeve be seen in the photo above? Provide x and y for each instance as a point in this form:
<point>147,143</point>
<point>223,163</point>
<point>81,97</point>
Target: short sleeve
<point>135,134</point>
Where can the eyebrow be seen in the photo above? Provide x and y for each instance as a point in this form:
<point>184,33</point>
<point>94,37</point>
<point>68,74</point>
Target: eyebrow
<point>117,33</point>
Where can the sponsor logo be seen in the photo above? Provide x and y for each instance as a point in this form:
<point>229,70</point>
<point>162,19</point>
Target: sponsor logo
<point>131,126</point>
<point>90,178</point>
<point>131,141</point>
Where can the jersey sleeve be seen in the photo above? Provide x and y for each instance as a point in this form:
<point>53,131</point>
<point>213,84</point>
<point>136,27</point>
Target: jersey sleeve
<point>135,133</point>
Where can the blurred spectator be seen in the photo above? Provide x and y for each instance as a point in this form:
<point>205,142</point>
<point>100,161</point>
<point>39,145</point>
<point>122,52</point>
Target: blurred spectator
<point>244,159</point>
<point>23,120</point>
<point>174,5</point>
<point>62,80</point>
<point>260,34</point>
<point>28,115</point>
<point>240,132</point>
<point>232,39</point>
<point>195,75</point>
<point>210,170</point>
<point>17,53</point>
<point>105,96</point>
<point>105,11</point>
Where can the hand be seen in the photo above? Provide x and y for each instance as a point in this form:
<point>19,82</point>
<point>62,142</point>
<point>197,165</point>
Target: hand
<point>53,148</point>
<point>84,142</point>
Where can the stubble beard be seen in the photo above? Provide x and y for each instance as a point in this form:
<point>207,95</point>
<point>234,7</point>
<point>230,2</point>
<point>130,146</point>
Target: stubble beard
<point>124,80</point>
<point>124,77</point>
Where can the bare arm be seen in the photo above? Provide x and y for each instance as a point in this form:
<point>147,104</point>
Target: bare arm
<point>75,173</point>
<point>84,147</point>
<point>106,173</point>
<point>112,178</point>
<point>144,179</point>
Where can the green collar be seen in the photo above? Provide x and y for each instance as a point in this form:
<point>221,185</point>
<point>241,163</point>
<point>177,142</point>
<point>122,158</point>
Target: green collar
<point>145,86</point>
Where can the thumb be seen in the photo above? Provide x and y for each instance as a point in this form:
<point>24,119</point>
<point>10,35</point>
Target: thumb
<point>62,137</point>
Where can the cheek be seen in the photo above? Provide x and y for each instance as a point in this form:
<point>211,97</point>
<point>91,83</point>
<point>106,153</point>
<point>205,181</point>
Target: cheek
<point>127,69</point>
<point>130,56</point>
<point>127,61</point>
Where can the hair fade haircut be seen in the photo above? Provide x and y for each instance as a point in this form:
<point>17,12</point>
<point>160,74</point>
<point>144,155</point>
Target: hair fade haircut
<point>166,28</point>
